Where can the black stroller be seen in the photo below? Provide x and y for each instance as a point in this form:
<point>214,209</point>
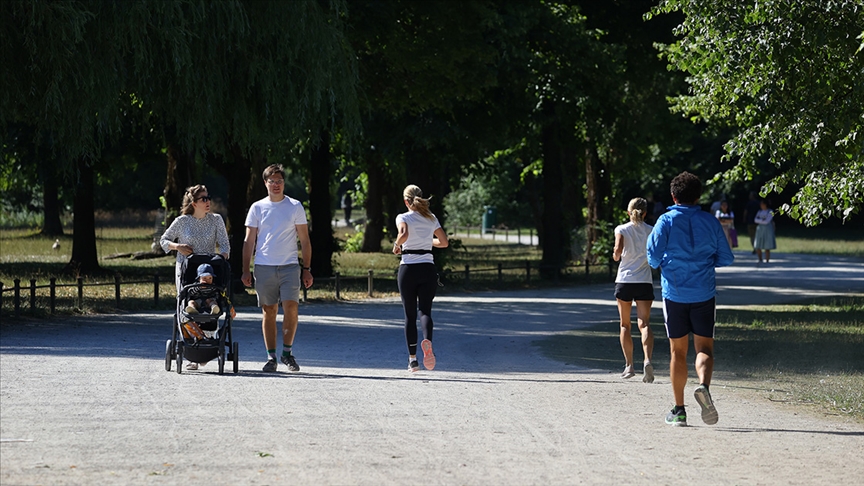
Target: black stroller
<point>202,337</point>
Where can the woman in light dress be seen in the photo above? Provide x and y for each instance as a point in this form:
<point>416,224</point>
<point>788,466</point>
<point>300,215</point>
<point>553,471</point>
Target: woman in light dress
<point>765,237</point>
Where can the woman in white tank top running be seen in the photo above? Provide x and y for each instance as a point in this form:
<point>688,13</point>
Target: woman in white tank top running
<point>419,231</point>
<point>634,283</point>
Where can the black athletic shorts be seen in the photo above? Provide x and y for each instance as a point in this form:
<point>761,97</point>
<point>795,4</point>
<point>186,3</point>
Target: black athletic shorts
<point>682,319</point>
<point>629,292</point>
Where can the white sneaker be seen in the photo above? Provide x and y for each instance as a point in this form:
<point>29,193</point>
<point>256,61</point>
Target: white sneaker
<point>190,309</point>
<point>648,373</point>
<point>628,372</point>
<point>191,366</point>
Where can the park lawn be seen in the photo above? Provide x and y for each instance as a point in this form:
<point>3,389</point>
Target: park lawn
<point>804,354</point>
<point>26,255</point>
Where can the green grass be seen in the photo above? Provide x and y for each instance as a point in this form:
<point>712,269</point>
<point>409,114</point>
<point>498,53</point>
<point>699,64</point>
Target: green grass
<point>26,255</point>
<point>809,353</point>
<point>818,241</point>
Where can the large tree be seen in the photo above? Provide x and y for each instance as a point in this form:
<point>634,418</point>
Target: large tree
<point>786,75</point>
<point>228,78</point>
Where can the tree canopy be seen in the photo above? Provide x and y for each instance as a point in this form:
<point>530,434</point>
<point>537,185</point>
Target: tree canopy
<point>788,77</point>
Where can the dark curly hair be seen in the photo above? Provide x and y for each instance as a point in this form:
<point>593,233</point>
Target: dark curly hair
<point>686,188</point>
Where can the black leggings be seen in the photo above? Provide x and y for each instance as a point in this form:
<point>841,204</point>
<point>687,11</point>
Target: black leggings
<point>417,284</point>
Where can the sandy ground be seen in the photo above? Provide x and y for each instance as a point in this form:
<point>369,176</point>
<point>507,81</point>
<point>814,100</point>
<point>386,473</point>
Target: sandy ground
<point>87,401</point>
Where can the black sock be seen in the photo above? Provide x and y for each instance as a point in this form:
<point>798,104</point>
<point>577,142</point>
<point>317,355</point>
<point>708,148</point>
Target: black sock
<point>678,408</point>
<point>703,384</point>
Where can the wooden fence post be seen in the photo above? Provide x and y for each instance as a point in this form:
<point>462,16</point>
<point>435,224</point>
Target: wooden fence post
<point>53,294</point>
<point>587,269</point>
<point>117,289</point>
<point>155,290</point>
<point>16,297</point>
<point>468,269</point>
<point>370,283</point>
<point>337,286</point>
<point>500,273</point>
<point>32,295</point>
<point>80,293</point>
<point>527,271</point>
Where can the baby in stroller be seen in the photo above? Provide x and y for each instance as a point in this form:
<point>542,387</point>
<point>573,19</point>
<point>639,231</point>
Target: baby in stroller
<point>198,302</point>
<point>202,322</point>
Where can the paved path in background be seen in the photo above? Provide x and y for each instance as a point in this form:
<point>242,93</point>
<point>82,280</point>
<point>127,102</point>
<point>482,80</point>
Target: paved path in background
<point>87,401</point>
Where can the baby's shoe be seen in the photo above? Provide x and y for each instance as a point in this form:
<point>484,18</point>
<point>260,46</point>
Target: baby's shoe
<point>190,309</point>
<point>215,309</point>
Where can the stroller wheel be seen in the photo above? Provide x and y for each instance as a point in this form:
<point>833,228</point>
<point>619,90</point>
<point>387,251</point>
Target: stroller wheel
<point>221,360</point>
<point>179,358</point>
<point>235,348</point>
<point>168,356</point>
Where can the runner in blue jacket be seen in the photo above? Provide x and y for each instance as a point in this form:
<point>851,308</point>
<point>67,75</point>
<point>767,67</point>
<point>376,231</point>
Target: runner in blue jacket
<point>687,244</point>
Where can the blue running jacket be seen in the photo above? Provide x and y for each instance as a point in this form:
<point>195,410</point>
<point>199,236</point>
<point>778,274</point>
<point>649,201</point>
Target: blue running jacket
<point>687,244</point>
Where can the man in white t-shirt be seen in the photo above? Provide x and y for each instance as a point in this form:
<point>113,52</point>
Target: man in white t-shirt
<point>273,227</point>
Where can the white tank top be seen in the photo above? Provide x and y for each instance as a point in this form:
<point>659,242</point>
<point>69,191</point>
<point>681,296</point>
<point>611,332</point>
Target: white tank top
<point>634,266</point>
<point>420,233</point>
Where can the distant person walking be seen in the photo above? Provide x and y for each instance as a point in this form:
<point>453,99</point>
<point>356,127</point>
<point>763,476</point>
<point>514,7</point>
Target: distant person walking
<point>419,232</point>
<point>634,283</point>
<point>687,244</point>
<point>727,221</point>
<point>753,206</point>
<point>273,227</point>
<point>347,207</point>
<point>765,231</point>
<point>196,230</point>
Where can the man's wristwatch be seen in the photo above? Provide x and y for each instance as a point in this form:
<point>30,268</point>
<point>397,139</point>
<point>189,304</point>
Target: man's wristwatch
<point>308,269</point>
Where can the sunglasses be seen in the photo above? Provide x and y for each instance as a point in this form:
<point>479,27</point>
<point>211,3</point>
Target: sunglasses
<point>276,182</point>
<point>203,199</point>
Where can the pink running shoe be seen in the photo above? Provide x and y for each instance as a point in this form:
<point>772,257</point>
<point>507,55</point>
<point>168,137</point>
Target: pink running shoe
<point>428,355</point>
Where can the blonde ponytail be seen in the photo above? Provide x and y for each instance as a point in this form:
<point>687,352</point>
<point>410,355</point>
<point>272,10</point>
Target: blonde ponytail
<point>413,195</point>
<point>637,209</point>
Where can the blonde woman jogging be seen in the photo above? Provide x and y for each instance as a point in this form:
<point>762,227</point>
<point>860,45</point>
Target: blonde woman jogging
<point>419,231</point>
<point>634,283</point>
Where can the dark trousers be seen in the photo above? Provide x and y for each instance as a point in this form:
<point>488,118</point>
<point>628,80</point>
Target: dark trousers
<point>417,285</point>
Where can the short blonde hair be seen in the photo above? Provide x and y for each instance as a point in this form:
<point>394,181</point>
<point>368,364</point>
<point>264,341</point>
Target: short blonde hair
<point>414,196</point>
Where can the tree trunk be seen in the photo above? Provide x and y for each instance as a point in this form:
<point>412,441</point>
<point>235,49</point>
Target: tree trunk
<point>84,257</point>
<point>178,177</point>
<point>320,210</point>
<point>374,231</point>
<point>595,194</point>
<point>51,223</point>
<point>554,239</point>
<point>238,170</point>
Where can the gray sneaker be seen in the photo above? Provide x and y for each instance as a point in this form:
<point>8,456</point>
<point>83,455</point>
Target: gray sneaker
<point>703,398</point>
<point>290,362</point>
<point>270,366</point>
<point>677,419</point>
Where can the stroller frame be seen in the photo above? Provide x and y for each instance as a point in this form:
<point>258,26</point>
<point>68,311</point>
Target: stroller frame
<point>220,346</point>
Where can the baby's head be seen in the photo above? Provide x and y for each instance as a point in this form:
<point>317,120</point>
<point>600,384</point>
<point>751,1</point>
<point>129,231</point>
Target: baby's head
<point>205,273</point>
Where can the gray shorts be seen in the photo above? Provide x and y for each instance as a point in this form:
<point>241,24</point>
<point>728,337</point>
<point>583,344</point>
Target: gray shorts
<point>275,284</point>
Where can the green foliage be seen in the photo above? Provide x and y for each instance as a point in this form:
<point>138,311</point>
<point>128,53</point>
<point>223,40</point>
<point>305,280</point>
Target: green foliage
<point>354,243</point>
<point>786,75</point>
<point>494,181</point>
<point>228,74</point>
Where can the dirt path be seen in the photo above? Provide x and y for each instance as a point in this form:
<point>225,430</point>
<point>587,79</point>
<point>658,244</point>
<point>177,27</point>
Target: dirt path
<point>87,400</point>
